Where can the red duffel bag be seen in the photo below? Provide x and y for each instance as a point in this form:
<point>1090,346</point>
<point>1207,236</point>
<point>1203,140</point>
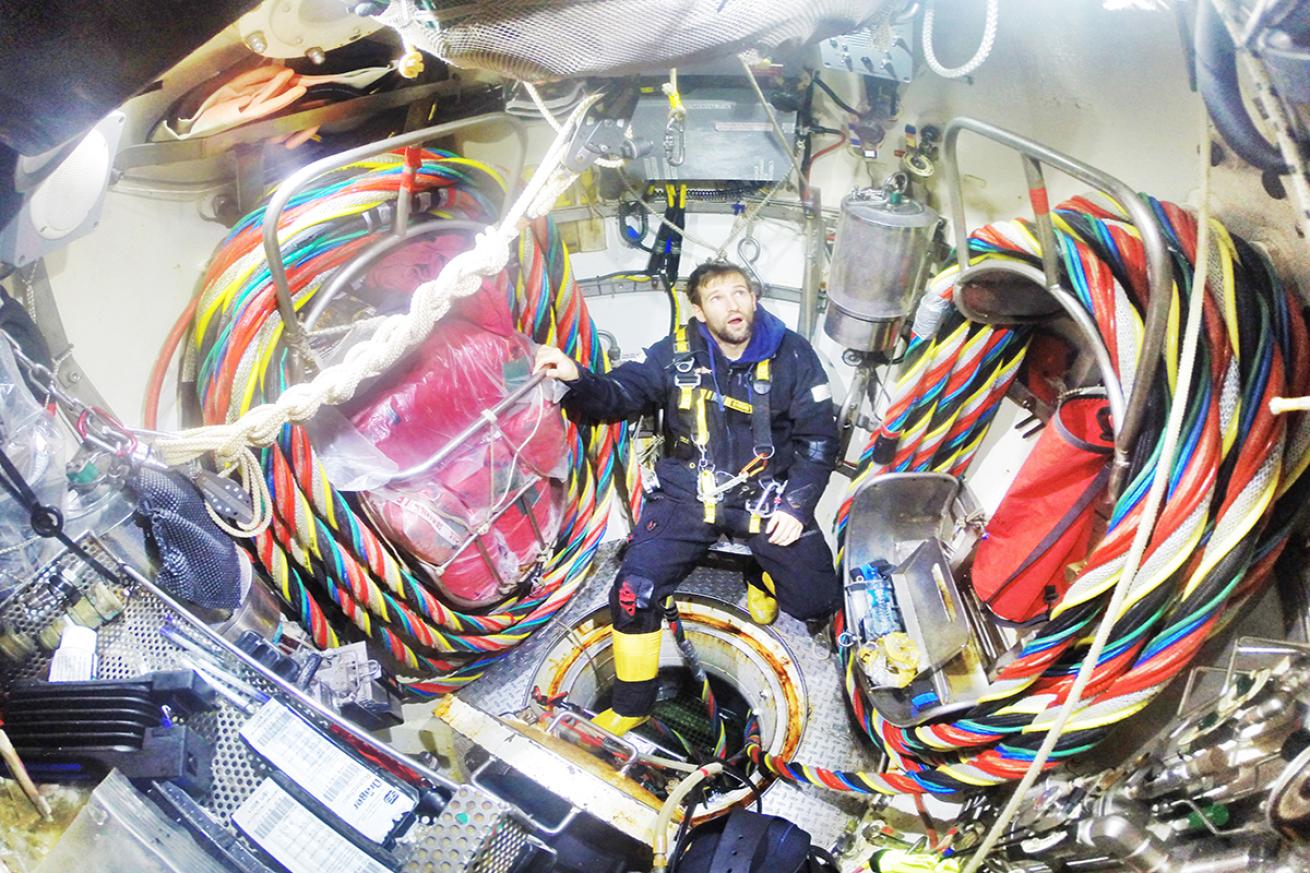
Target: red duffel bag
<point>479,518</point>
<point>1045,520</point>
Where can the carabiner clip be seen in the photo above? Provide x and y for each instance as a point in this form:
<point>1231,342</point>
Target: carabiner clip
<point>755,464</point>
<point>770,498</point>
<point>675,140</point>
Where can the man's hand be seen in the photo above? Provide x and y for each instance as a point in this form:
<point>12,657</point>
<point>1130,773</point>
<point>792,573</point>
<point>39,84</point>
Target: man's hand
<point>555,364</point>
<point>784,529</point>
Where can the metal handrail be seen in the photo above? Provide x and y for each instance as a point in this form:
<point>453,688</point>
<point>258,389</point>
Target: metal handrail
<point>486,419</point>
<point>365,259</point>
<point>1158,271</point>
<point>1114,392</point>
<point>297,339</point>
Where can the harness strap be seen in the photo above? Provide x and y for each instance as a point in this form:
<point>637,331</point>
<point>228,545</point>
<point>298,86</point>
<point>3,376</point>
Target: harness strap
<point>693,400</point>
<point>728,401</point>
<point>708,485</point>
<point>761,433</point>
<point>684,368</point>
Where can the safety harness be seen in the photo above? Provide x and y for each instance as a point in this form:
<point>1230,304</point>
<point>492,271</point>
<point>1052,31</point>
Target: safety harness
<point>694,403</point>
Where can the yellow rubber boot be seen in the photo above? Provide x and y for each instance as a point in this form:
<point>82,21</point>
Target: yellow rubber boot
<point>636,661</point>
<point>761,602</point>
<point>618,724</point>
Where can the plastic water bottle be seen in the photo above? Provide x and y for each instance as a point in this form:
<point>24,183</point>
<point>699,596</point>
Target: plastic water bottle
<point>884,616</point>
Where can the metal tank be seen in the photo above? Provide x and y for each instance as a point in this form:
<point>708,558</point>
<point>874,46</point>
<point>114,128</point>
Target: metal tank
<point>878,266</point>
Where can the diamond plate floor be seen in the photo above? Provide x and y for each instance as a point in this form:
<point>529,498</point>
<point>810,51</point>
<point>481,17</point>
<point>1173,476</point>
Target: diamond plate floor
<point>829,740</point>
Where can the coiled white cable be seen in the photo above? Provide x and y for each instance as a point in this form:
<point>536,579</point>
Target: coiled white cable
<point>984,48</point>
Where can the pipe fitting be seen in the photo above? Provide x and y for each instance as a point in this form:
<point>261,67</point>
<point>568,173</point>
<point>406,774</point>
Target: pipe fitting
<point>1126,840</point>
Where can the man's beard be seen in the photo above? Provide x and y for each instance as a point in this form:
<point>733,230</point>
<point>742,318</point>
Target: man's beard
<point>735,334</point>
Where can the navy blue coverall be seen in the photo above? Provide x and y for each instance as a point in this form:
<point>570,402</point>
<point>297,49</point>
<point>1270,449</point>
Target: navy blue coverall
<point>671,535</point>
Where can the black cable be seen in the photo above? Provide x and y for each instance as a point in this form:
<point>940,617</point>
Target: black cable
<point>805,121</point>
<point>749,785</point>
<point>824,858</point>
<point>684,828</point>
<point>827,89</point>
<point>45,521</point>
<point>666,254</point>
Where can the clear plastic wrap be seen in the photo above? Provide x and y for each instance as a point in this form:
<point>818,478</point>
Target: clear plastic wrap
<point>490,508</point>
<point>31,438</point>
<point>119,831</point>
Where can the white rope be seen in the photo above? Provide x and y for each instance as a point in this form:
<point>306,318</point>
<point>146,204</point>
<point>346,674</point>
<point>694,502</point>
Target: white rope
<point>1145,527</point>
<point>254,484</point>
<point>541,105</point>
<point>396,335</point>
<point>984,47</point>
<point>1281,405</point>
<point>788,148</point>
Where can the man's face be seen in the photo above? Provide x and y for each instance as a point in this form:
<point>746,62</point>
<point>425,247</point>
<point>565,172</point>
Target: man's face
<point>727,306</point>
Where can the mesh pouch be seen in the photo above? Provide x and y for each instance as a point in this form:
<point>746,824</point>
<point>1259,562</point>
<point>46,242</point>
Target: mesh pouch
<point>547,40</point>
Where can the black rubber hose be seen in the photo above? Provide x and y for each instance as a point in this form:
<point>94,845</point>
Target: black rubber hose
<point>1216,79</point>
<point>827,89</point>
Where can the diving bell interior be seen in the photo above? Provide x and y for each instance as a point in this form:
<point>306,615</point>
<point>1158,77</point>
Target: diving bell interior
<point>715,436</point>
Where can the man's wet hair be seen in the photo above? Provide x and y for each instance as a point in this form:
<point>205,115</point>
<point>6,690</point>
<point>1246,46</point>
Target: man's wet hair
<point>712,270</point>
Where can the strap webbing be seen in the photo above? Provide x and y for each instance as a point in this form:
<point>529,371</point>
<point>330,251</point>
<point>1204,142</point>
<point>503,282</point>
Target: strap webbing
<point>682,357</point>
<point>761,425</point>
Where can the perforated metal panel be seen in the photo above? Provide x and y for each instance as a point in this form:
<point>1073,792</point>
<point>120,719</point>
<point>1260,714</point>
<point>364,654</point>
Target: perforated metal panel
<point>488,840</point>
<point>503,852</point>
<point>131,645</point>
<point>474,833</point>
<point>34,605</point>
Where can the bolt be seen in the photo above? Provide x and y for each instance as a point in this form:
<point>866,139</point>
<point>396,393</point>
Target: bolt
<point>74,377</point>
<point>257,42</point>
<point>315,55</point>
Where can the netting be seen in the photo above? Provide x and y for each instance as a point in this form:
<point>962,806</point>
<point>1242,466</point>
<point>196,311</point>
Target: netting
<point>547,40</point>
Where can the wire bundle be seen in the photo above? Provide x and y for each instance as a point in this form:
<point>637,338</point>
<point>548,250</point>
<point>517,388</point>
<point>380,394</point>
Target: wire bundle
<point>1233,492</point>
<point>943,401</point>
<point>319,543</point>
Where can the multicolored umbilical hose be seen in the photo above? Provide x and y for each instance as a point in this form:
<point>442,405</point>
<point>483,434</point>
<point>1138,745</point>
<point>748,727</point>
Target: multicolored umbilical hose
<point>320,543</point>
<point>698,674</point>
<point>1233,490</point>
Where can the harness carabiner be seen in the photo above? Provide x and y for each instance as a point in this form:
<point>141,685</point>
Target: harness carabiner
<point>766,504</point>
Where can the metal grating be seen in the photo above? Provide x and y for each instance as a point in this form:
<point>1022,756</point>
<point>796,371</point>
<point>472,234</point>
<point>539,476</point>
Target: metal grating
<point>34,605</point>
<point>474,833</point>
<point>131,644</point>
<point>506,847</point>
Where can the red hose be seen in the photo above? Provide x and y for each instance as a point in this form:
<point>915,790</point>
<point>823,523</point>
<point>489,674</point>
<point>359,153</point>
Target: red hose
<point>155,387</point>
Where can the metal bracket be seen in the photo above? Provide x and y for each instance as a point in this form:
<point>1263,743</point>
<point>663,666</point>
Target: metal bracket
<point>38,298</point>
<point>153,154</point>
<point>1159,272</point>
<point>603,132</point>
<point>545,830</point>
